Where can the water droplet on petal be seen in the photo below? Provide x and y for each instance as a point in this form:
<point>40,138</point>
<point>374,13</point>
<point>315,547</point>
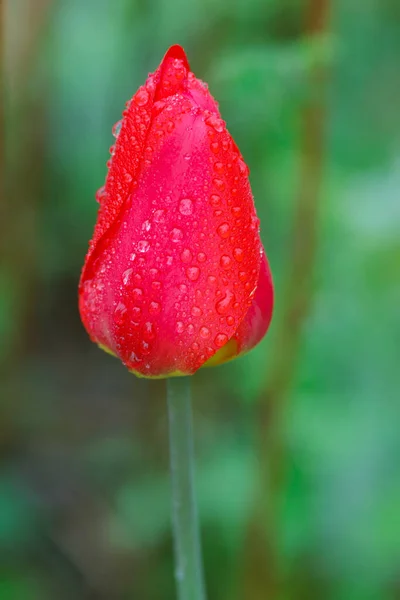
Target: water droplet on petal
<point>126,276</point>
<point>154,308</point>
<point>238,254</point>
<point>215,200</point>
<point>186,206</point>
<point>137,293</point>
<point>143,246</point>
<point>148,331</point>
<point>186,255</point>
<point>220,340</point>
<point>201,257</point>
<point>120,313</point>
<point>145,347</point>
<point>230,320</point>
<point>179,327</point>
<point>196,311</point>
<point>219,184</point>
<point>223,230</point>
<point>159,216</point>
<point>146,225</point>
<point>225,261</point>
<point>193,273</point>
<point>204,332</point>
<point>215,122</point>
<point>176,234</point>
<point>222,306</point>
<point>141,97</point>
<point>214,147</point>
<point>117,128</point>
<point>101,194</point>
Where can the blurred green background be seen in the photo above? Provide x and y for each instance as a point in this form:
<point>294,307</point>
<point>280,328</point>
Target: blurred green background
<point>297,444</point>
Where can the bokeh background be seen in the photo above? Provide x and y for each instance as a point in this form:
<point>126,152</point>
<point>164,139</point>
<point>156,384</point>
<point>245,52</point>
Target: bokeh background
<point>297,444</point>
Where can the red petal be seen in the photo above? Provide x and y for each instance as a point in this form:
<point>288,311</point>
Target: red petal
<point>174,261</point>
<point>256,322</point>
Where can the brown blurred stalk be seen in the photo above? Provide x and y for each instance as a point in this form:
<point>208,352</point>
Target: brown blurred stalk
<point>262,569</point>
<point>23,136</point>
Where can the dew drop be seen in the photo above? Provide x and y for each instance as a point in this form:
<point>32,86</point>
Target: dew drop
<point>186,255</point>
<point>120,313</point>
<point>195,346</point>
<point>176,234</point>
<point>183,288</point>
<point>220,340</point>
<point>215,200</point>
<point>101,194</point>
<point>236,210</point>
<point>242,275</point>
<point>156,285</point>
<point>214,147</point>
<point>238,254</point>
<point>179,327</point>
<point>186,206</point>
<point>201,257</point>
<point>148,331</point>
<point>141,97</point>
<point>204,332</point>
<point>154,308</point>
<point>215,122</point>
<point>225,261</point>
<point>223,230</point>
<point>134,358</point>
<point>219,184</point>
<point>243,168</point>
<point>145,347</point>
<point>153,272</point>
<point>137,293</point>
<point>193,273</point>
<point>230,320</point>
<point>219,167</point>
<point>117,128</point>
<point>190,329</point>
<point>222,306</point>
<point>196,311</point>
<point>146,226</point>
<point>126,276</point>
<point>159,216</point>
<point>143,246</point>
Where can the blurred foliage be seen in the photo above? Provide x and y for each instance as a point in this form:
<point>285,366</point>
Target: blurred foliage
<point>84,489</point>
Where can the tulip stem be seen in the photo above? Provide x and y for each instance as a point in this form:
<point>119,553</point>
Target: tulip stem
<point>188,560</point>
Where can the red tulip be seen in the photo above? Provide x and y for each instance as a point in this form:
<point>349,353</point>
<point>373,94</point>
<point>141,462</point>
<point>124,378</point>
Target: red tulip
<point>176,276</point>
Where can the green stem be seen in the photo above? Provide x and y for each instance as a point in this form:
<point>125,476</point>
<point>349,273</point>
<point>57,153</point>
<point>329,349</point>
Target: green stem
<point>188,562</point>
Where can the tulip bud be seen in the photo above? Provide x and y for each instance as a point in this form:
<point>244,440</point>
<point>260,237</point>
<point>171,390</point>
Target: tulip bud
<point>176,276</point>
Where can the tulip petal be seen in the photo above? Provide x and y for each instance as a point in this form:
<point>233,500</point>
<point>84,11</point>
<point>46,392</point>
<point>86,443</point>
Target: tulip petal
<point>173,266</point>
<point>255,323</point>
